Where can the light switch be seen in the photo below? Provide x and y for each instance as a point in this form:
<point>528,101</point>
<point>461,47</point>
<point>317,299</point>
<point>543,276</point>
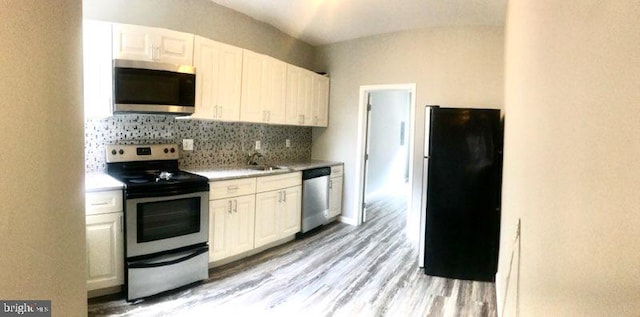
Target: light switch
<point>257,145</point>
<point>287,143</point>
<point>187,144</point>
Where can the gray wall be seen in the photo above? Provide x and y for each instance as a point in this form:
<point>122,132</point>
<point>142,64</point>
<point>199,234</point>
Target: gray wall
<point>42,210</point>
<point>572,141</point>
<point>388,159</point>
<point>205,18</point>
<point>452,66</point>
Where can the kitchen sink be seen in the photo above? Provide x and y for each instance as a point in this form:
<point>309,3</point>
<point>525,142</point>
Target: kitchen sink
<point>263,167</point>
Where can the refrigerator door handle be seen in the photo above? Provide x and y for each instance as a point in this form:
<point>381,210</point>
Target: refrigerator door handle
<point>423,213</point>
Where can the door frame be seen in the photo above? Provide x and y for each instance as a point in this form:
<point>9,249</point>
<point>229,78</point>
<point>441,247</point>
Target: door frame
<point>362,141</point>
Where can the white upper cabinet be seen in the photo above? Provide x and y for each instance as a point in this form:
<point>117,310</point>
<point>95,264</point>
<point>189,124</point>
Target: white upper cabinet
<point>307,97</point>
<point>98,69</point>
<point>263,89</point>
<point>299,95</point>
<point>218,80</point>
<point>320,105</point>
<point>144,43</point>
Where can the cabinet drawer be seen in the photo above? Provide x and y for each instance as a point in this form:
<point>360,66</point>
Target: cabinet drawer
<point>232,188</point>
<point>103,202</point>
<point>337,170</point>
<point>274,182</point>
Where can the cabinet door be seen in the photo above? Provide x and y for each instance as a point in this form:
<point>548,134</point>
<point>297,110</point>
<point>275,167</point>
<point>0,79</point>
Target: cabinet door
<point>253,76</point>
<point>243,215</point>
<point>133,42</point>
<point>267,217</point>
<point>320,109</point>
<point>105,251</point>
<point>144,43</point>
<point>219,229</point>
<point>275,91</point>
<point>98,68</point>
<point>291,211</point>
<point>205,59</point>
<point>335,196</point>
<point>229,83</point>
<point>298,100</point>
<point>173,47</point>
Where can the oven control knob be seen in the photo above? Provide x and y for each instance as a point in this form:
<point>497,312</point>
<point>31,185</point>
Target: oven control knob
<point>173,150</point>
<point>121,151</point>
<point>113,152</point>
<point>166,150</point>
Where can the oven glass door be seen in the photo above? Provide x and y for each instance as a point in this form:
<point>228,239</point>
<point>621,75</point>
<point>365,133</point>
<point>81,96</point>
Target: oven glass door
<point>160,224</point>
<point>168,219</point>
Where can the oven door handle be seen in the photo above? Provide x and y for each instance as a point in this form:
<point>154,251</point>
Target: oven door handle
<point>169,259</point>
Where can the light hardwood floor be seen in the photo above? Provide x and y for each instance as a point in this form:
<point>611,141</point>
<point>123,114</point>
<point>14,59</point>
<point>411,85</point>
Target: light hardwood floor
<point>341,270</point>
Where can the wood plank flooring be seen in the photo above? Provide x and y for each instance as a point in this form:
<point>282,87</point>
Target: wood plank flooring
<point>341,270</point>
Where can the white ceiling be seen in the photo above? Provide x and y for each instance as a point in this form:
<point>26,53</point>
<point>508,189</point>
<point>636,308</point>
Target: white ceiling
<point>319,22</point>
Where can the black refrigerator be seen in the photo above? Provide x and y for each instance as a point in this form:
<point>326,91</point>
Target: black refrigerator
<point>460,211</point>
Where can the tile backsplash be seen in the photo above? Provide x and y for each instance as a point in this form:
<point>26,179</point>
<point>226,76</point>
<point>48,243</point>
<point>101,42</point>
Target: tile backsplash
<point>215,143</point>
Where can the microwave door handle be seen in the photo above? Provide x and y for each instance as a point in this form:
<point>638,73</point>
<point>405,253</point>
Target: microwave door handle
<point>171,261</point>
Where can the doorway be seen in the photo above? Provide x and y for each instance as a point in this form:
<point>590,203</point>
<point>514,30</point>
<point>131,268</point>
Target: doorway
<point>385,143</point>
<point>387,158</point>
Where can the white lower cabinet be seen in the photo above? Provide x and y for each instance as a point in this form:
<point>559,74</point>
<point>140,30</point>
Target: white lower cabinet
<point>248,213</point>
<point>335,191</point>
<point>231,226</point>
<point>104,237</point>
<point>277,214</point>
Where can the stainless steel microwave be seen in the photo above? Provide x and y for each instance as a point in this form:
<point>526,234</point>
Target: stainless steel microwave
<point>153,88</point>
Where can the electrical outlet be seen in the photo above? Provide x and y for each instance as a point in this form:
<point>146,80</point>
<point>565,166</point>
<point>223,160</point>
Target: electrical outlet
<point>187,144</point>
<point>287,143</point>
<point>257,145</point>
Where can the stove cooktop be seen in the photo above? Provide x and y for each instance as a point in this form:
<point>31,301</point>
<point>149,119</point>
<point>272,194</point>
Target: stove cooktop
<point>151,171</point>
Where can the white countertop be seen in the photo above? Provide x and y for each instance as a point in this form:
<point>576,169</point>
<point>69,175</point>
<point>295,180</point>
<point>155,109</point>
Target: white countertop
<point>305,165</point>
<point>96,182</point>
<point>217,173</point>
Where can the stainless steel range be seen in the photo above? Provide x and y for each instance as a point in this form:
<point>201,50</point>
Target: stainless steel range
<point>166,218</point>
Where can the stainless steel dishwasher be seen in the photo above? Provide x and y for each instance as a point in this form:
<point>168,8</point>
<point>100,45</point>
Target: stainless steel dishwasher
<point>315,197</point>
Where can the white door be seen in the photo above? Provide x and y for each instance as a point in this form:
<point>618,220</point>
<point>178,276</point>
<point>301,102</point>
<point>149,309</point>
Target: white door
<point>205,59</point>
<point>291,211</point>
<point>253,77</point>
<point>243,209</point>
<point>219,229</point>
<point>174,47</point>
<point>275,91</point>
<point>267,217</point>
<point>105,250</point>
<point>335,196</point>
<point>320,101</point>
<point>133,42</point>
<point>229,83</point>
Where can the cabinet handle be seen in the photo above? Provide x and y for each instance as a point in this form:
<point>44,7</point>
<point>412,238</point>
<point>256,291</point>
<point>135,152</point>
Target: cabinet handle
<point>330,183</point>
<point>269,116</point>
<point>229,207</point>
<point>121,223</point>
<point>279,197</point>
<point>235,205</point>
<point>219,112</point>
<point>284,193</point>
<point>232,188</point>
<point>301,119</point>
<point>102,203</point>
<point>157,53</point>
<point>264,116</point>
<point>215,111</point>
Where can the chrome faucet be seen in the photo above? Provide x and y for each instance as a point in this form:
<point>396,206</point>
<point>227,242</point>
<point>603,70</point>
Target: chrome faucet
<point>252,158</point>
